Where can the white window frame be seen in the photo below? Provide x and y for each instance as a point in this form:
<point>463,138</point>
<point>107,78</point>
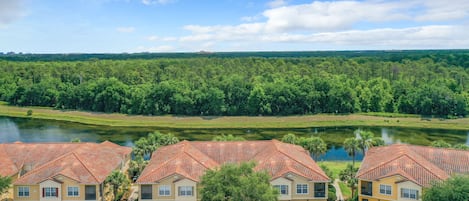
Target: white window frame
<point>298,186</point>
<point>73,194</point>
<point>385,189</point>
<point>22,189</point>
<point>50,192</point>
<point>185,189</point>
<point>165,189</point>
<point>410,192</point>
<point>282,187</point>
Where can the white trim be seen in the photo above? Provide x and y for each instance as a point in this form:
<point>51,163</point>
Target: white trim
<point>159,191</point>
<point>307,189</point>
<point>73,196</point>
<point>385,185</point>
<point>29,192</point>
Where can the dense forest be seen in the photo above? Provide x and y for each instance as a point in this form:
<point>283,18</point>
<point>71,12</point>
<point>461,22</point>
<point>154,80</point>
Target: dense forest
<point>427,83</point>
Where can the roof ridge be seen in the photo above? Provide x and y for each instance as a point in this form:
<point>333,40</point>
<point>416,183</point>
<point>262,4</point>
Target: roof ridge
<point>86,167</point>
<point>190,155</point>
<point>425,167</point>
<point>166,162</point>
<point>44,165</point>
<point>3,150</point>
<point>276,143</point>
<point>379,165</point>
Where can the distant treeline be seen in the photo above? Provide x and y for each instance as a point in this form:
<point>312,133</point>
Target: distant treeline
<point>425,84</point>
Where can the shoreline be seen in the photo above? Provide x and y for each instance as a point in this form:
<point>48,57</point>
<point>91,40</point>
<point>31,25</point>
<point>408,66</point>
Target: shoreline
<point>208,122</point>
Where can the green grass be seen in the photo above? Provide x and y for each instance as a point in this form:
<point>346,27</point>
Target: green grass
<point>336,167</point>
<point>307,121</point>
<point>346,192</point>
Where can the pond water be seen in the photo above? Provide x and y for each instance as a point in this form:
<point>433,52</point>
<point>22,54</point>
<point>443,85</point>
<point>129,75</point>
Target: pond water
<point>34,130</point>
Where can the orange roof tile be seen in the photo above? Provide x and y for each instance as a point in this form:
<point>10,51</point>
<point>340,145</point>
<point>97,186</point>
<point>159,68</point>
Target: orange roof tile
<point>192,159</point>
<point>87,163</point>
<point>419,164</point>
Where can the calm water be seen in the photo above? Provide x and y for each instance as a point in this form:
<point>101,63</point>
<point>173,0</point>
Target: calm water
<point>32,130</point>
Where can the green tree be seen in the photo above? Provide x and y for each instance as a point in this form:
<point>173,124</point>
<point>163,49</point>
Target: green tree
<point>455,189</point>
<point>75,140</point>
<point>136,166</point>
<point>290,138</point>
<point>461,146</point>
<point>118,184</point>
<point>145,146</point>
<point>233,182</point>
<point>352,146</point>
<point>347,175</point>
<point>229,137</point>
<point>315,145</point>
<point>440,144</point>
<point>365,140</point>
<point>5,183</point>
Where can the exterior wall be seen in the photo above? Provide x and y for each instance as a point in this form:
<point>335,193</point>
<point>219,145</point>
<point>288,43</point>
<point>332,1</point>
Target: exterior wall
<point>173,182</point>
<point>9,194</point>
<point>53,184</point>
<point>71,183</point>
<point>310,196</point>
<point>34,193</point>
<point>283,181</point>
<point>186,182</point>
<point>395,189</point>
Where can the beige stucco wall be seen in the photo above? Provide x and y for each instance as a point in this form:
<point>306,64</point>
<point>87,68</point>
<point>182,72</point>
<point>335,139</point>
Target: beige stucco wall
<point>394,182</point>
<point>34,193</point>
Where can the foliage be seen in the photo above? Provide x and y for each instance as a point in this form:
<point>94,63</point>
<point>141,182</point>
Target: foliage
<point>290,138</point>
<point>136,166</point>
<point>233,182</point>
<point>425,83</point>
<point>145,146</point>
<point>29,113</point>
<point>440,144</point>
<point>328,172</point>
<point>229,137</point>
<point>118,183</point>
<point>455,189</point>
<point>315,145</point>
<point>351,146</point>
<point>461,146</point>
<point>367,140</point>
<point>5,183</point>
<point>75,140</point>
<point>348,176</point>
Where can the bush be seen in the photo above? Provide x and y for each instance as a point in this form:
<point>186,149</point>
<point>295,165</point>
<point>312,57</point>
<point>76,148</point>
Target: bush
<point>29,112</point>
<point>331,196</point>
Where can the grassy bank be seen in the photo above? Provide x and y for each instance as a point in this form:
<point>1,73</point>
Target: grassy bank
<point>320,120</point>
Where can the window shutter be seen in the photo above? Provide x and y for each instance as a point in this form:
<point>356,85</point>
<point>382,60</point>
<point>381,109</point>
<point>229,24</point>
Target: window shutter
<point>43,190</point>
<point>56,192</point>
<point>417,194</point>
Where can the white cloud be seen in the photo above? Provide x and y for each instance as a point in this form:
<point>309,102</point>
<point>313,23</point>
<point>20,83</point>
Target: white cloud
<point>10,10</point>
<point>277,3</point>
<point>125,29</point>
<point>152,2</point>
<point>158,38</point>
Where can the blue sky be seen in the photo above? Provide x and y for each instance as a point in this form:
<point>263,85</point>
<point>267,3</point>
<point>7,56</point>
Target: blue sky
<point>115,26</point>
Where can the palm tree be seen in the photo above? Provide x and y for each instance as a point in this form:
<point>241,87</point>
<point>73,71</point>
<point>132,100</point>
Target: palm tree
<point>290,138</point>
<point>365,139</point>
<point>351,146</point>
<point>119,184</point>
<point>348,176</point>
<point>315,145</point>
<point>145,146</point>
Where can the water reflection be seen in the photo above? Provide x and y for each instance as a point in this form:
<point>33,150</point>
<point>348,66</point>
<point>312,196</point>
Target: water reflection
<point>33,130</point>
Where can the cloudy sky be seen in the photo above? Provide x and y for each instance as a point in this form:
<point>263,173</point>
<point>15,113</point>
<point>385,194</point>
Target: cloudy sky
<point>115,26</point>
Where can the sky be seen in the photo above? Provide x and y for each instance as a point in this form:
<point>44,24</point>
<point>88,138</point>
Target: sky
<point>128,26</point>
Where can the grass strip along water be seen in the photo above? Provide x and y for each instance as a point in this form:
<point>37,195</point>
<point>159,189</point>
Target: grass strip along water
<point>306,121</point>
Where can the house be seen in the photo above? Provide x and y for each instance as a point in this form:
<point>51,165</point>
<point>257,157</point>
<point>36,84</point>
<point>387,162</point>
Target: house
<point>60,171</point>
<point>174,171</point>
<point>400,171</point>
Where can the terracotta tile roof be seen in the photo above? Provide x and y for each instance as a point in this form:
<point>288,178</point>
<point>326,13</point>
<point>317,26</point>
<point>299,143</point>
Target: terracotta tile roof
<point>87,163</point>
<point>419,164</point>
<point>192,159</point>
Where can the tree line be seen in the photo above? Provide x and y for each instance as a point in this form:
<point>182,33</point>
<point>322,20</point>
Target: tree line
<point>241,86</point>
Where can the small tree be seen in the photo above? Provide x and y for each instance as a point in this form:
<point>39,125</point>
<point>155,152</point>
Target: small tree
<point>454,189</point>
<point>290,138</point>
<point>232,182</point>
<point>29,113</point>
<point>351,146</point>
<point>348,176</point>
<point>229,137</point>
<point>315,145</point>
<point>441,144</point>
<point>75,140</point>
<point>461,146</point>
<point>5,183</point>
<point>145,146</point>
<point>136,166</point>
<point>118,183</point>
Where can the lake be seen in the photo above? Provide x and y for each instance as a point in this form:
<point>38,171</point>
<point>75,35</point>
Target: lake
<point>34,130</point>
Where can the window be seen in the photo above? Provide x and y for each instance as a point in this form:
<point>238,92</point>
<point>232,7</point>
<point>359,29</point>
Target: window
<point>90,192</point>
<point>409,193</point>
<point>50,192</point>
<point>23,191</point>
<point>282,189</point>
<point>366,188</point>
<point>185,191</point>
<point>146,192</point>
<point>72,191</point>
<point>320,190</point>
<point>385,189</point>
<point>165,190</point>
<point>302,189</point>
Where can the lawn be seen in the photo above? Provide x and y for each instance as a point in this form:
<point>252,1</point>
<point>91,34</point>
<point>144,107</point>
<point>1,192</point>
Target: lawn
<point>306,121</point>
<point>336,167</point>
